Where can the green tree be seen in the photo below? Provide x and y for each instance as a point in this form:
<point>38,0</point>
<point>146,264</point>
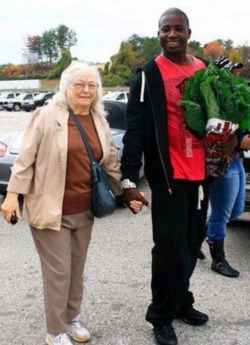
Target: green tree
<point>132,53</point>
<point>228,46</point>
<point>195,48</point>
<point>66,38</point>
<point>245,53</point>
<point>61,64</point>
<point>145,47</point>
<point>122,66</point>
<point>106,68</point>
<point>49,45</point>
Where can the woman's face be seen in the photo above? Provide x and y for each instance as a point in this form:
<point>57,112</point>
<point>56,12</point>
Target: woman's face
<point>82,90</point>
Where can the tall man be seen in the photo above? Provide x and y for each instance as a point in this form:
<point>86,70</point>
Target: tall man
<point>175,170</point>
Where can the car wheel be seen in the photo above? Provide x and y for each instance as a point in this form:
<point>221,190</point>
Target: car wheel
<point>1,107</point>
<point>17,107</point>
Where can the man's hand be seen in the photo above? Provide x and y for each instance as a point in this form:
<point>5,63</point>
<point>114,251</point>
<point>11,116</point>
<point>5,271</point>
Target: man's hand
<point>134,199</point>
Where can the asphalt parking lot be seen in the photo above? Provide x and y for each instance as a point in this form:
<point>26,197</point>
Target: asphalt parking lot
<point>117,281</point>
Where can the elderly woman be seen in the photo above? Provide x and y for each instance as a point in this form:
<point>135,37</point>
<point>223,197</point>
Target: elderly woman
<point>53,173</point>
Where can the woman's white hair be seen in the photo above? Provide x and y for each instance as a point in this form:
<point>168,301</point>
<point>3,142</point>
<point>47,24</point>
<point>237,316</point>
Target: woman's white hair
<point>67,76</point>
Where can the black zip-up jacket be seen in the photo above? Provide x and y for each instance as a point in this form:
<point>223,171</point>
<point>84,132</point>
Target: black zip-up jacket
<point>146,135</point>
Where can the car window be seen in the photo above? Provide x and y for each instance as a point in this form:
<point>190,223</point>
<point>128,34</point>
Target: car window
<point>28,96</point>
<point>40,96</point>
<point>111,95</point>
<point>115,114</point>
<point>120,97</point>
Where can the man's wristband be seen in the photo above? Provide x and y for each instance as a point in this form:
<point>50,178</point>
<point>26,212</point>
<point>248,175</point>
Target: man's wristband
<point>126,183</point>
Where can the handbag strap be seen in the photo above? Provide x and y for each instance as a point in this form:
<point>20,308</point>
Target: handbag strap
<point>83,135</point>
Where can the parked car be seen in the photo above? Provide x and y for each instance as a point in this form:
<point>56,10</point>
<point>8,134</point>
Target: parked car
<point>246,161</point>
<point>16,103</point>
<point>10,142</point>
<point>121,96</point>
<point>38,101</point>
<point>9,148</point>
<point>7,96</point>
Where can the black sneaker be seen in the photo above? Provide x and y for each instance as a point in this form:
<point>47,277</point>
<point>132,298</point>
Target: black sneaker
<point>192,316</point>
<point>165,335</point>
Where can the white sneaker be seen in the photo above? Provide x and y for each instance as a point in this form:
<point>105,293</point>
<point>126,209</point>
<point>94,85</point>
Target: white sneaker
<point>60,339</point>
<point>78,332</point>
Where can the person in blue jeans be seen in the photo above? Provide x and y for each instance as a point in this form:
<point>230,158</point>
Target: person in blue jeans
<point>227,198</point>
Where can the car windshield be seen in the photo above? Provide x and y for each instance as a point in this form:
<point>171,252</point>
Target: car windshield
<point>40,96</point>
<point>28,96</point>
<point>111,95</point>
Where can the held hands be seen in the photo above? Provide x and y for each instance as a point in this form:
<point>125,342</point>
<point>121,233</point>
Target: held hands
<point>134,199</point>
<point>10,208</point>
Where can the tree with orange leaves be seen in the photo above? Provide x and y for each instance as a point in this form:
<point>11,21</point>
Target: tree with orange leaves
<point>213,49</point>
<point>11,70</point>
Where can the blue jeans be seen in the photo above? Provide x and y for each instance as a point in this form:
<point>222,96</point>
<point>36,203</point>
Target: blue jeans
<point>227,199</point>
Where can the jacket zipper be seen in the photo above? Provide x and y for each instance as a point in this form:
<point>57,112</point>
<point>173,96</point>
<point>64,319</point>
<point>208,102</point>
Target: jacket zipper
<point>156,133</point>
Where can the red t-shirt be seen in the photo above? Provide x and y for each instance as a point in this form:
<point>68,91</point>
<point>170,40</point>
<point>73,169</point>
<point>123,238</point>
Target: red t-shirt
<point>187,154</point>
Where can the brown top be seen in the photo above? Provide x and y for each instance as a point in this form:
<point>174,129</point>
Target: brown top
<point>77,195</point>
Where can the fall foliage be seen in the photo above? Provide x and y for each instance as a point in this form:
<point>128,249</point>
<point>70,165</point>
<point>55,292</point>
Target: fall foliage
<point>11,70</point>
<point>213,50</point>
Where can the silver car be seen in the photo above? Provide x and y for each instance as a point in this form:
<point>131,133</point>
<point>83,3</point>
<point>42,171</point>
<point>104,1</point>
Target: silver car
<point>10,144</point>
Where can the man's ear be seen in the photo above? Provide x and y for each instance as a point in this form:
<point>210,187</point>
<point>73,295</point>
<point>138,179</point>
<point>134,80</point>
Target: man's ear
<point>189,33</point>
<point>158,33</point>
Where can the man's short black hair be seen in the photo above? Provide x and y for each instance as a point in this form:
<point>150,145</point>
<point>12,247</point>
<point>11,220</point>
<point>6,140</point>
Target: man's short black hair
<point>175,10</point>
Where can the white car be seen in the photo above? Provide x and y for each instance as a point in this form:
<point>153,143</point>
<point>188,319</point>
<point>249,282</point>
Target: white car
<point>121,96</point>
<point>16,103</point>
<point>6,97</point>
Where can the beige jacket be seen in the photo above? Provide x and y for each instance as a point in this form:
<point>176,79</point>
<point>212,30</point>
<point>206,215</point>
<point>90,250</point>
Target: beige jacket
<point>39,171</point>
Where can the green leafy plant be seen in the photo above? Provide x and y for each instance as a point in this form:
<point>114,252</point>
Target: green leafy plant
<point>216,93</point>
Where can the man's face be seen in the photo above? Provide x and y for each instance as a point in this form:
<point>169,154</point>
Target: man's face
<point>173,33</point>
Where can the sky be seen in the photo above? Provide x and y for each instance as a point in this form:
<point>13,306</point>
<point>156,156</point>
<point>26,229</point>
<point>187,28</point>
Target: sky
<point>101,25</point>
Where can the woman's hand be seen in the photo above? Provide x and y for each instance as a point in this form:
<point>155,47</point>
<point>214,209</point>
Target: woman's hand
<point>10,206</point>
<point>134,199</point>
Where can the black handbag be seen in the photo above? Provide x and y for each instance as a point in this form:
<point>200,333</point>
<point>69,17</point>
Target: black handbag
<point>103,199</point>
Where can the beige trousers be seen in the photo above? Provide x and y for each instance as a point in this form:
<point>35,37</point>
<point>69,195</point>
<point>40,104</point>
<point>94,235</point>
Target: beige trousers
<point>63,254</point>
